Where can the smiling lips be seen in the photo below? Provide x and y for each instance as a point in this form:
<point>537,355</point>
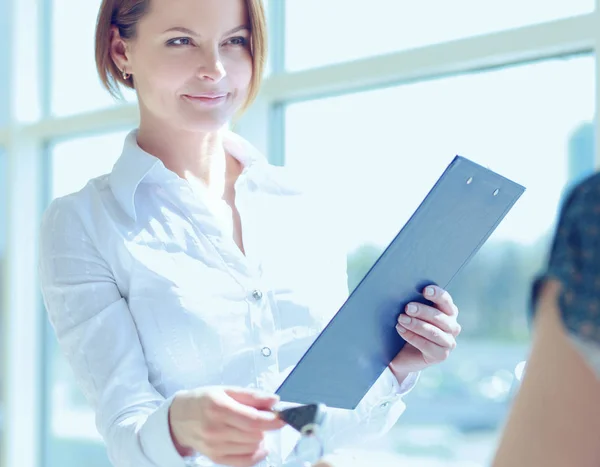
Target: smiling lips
<point>208,98</point>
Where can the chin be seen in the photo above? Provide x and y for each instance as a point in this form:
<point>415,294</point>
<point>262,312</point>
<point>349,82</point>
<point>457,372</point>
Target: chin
<point>206,120</point>
<point>205,123</point>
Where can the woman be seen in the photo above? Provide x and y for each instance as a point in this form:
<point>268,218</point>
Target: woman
<point>555,420</point>
<point>185,285</point>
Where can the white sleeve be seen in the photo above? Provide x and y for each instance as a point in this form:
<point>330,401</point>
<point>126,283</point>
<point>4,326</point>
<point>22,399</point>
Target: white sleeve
<point>97,335</point>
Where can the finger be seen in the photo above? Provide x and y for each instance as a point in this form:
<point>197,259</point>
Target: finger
<point>323,463</point>
<point>434,316</point>
<point>441,298</point>
<point>230,411</point>
<point>250,419</point>
<point>257,399</point>
<point>236,449</point>
<point>227,433</point>
<point>243,460</point>
<point>431,352</point>
<point>428,331</point>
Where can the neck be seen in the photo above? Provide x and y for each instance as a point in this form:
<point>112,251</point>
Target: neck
<point>194,156</point>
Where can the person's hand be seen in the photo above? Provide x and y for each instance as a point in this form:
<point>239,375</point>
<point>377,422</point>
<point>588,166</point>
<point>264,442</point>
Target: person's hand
<point>323,463</point>
<point>227,425</point>
<point>429,331</point>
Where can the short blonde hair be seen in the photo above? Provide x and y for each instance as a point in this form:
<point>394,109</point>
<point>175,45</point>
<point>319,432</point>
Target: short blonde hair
<point>125,14</point>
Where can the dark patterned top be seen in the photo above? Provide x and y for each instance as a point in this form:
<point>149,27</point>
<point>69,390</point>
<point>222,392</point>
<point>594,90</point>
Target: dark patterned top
<point>575,262</point>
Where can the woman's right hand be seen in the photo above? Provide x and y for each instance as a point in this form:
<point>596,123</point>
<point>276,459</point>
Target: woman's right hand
<point>227,425</point>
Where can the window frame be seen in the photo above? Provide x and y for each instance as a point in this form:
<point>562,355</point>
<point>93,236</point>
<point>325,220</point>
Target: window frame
<point>25,140</point>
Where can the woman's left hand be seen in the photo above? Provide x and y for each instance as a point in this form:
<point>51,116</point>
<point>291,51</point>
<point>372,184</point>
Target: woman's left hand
<point>429,331</point>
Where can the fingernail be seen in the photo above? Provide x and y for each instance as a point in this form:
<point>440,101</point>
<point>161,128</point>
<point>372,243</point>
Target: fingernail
<point>400,329</point>
<point>267,395</point>
<point>267,416</point>
<point>411,309</point>
<point>404,319</point>
<point>429,291</point>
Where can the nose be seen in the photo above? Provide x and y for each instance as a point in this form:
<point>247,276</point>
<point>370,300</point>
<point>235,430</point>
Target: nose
<point>210,65</point>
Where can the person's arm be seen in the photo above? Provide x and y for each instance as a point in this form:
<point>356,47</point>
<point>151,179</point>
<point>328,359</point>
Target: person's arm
<point>555,419</point>
<point>96,333</point>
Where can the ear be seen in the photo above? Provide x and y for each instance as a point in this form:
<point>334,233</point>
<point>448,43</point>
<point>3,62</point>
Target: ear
<point>119,50</point>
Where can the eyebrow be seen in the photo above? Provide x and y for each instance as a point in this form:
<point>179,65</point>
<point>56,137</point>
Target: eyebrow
<point>194,33</point>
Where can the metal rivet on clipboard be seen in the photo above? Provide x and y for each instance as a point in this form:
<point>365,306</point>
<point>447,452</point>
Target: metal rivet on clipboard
<point>470,180</point>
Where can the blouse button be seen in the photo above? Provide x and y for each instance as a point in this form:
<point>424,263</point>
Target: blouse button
<point>266,352</point>
<point>257,294</point>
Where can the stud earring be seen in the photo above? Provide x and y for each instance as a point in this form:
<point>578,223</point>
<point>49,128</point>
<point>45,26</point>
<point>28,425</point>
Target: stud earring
<point>126,76</point>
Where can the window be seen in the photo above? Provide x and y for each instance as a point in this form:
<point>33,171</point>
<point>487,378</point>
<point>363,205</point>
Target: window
<point>321,33</point>
<point>378,153</point>
<point>75,86</point>
<point>76,161</point>
<point>3,232</point>
<point>5,103</point>
<point>71,438</point>
<point>270,26</point>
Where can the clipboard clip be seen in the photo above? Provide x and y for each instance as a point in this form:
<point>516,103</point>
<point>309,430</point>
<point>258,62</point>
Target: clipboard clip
<point>307,420</point>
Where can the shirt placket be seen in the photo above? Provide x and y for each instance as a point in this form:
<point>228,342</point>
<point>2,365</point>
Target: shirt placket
<point>265,360</point>
<point>263,324</point>
<point>261,318</point>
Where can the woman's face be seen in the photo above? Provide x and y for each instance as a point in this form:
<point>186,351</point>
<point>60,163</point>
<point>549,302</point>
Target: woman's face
<point>191,62</point>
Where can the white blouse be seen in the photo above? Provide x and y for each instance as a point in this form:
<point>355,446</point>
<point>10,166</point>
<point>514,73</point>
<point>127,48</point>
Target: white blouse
<point>148,294</point>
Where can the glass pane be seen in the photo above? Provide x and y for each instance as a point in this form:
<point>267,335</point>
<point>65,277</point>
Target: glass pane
<point>324,32</point>
<point>380,152</point>
<point>268,64</point>
<point>3,234</point>
<point>5,56</point>
<point>71,438</point>
<point>75,86</point>
<point>75,161</point>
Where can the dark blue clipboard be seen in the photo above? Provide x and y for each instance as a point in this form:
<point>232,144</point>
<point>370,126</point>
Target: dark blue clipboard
<point>454,220</point>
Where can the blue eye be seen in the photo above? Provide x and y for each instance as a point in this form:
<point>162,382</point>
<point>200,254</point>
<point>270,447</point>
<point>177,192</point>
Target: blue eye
<point>180,41</point>
<point>242,41</point>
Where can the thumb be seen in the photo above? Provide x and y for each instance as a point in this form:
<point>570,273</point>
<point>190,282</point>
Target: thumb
<point>258,399</point>
<point>324,462</point>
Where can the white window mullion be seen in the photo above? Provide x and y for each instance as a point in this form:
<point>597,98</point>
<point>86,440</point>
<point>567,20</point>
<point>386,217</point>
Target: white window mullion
<point>597,82</point>
<point>22,314</point>
<point>262,124</point>
<point>23,317</point>
<point>531,43</point>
